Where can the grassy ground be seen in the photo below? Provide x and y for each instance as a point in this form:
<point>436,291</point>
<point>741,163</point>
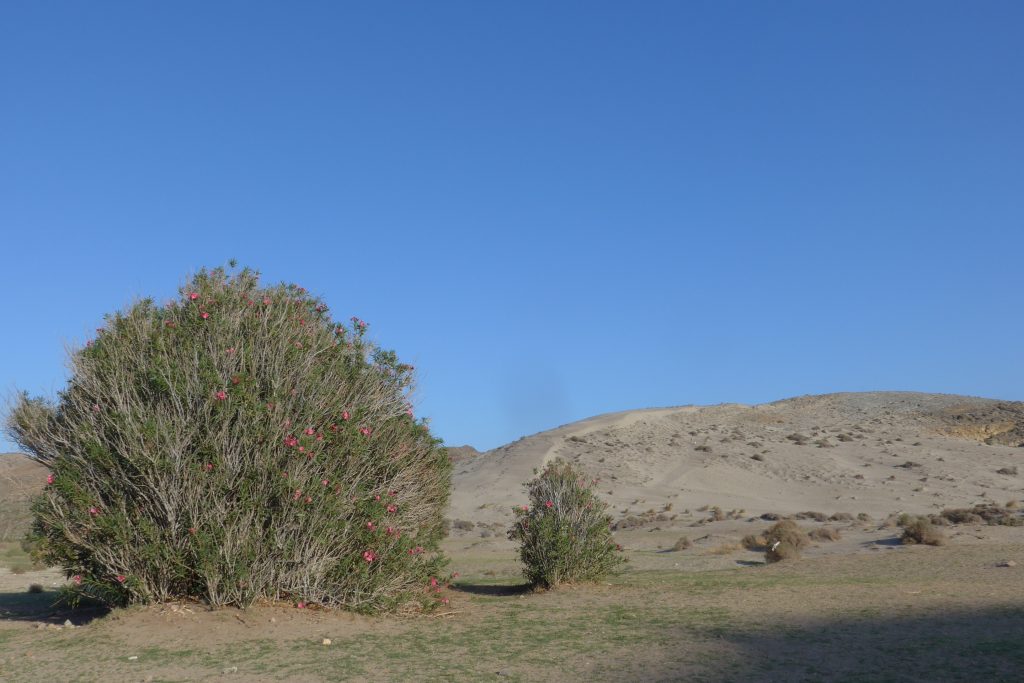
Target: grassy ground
<point>907,614</point>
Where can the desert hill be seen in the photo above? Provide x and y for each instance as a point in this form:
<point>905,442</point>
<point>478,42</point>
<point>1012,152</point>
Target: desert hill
<point>853,452</point>
<point>20,479</point>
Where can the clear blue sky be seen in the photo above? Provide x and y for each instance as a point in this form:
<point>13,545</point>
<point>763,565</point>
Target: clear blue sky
<point>553,210</point>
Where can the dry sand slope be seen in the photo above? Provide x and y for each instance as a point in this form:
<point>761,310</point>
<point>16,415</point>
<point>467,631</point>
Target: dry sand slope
<point>855,452</point>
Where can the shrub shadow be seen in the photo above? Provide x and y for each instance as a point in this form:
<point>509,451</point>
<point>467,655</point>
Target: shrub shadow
<point>494,590</point>
<point>46,608</point>
<point>951,645</point>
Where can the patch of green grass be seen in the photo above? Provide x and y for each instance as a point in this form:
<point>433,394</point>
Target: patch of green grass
<point>14,558</point>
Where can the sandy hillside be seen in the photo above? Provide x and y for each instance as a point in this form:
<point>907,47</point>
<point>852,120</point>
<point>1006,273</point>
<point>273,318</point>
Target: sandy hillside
<point>855,452</point>
<point>20,479</point>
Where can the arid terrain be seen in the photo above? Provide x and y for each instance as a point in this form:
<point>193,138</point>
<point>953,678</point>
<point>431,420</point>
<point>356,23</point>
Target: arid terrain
<point>857,606</point>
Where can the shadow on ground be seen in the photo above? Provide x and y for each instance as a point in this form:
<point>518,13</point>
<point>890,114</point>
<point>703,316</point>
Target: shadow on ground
<point>495,590</point>
<point>982,645</point>
<point>46,608</point>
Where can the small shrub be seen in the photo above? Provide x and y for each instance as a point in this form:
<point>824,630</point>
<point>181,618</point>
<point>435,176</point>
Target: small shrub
<point>754,542</point>
<point>237,444</point>
<point>841,517</point>
<point>1010,471</point>
<point>463,525</point>
<point>35,588</point>
<point>863,517</point>
<point>783,541</point>
<point>921,530</point>
<point>816,516</point>
<point>825,533</point>
<point>961,516</point>
<point>564,534</point>
<point>682,544</point>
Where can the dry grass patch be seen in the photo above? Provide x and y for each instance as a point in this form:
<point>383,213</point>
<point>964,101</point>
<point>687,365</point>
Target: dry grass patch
<point>920,530</point>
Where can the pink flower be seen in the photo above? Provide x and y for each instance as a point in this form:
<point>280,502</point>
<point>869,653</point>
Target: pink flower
<point>297,495</point>
<point>209,467</point>
<point>308,500</point>
<point>193,296</point>
<point>302,449</point>
<point>94,511</point>
<point>369,525</point>
<point>334,428</point>
<point>392,508</point>
<point>49,479</point>
<point>455,575</point>
<point>390,530</point>
<point>301,605</point>
<point>221,395</point>
<point>444,601</point>
<point>231,351</point>
<point>291,441</point>
<point>345,415</point>
<point>365,431</point>
<point>310,431</point>
<point>325,482</point>
<point>77,578</point>
<point>433,582</point>
<point>204,315</point>
<point>377,497</point>
<point>369,556</point>
<point>266,301</point>
<point>121,578</point>
<point>525,508</point>
<point>236,379</point>
<point>548,504</point>
<point>392,493</point>
<point>95,407</point>
<point>287,423</point>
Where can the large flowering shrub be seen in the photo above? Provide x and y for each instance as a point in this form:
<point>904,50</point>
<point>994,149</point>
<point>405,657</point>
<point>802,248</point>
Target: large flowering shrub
<point>564,534</point>
<point>233,445</point>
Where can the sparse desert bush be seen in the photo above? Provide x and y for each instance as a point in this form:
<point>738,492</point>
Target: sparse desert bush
<point>682,544</point>
<point>920,530</point>
<point>1011,471</point>
<point>961,516</point>
<point>863,517</point>
<point>825,533</point>
<point>783,541</point>
<point>36,588</point>
<point>564,534</point>
<point>754,542</point>
<point>463,525</point>
<point>816,516</point>
<point>841,517</point>
<point>237,444</point>
<point>630,522</point>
